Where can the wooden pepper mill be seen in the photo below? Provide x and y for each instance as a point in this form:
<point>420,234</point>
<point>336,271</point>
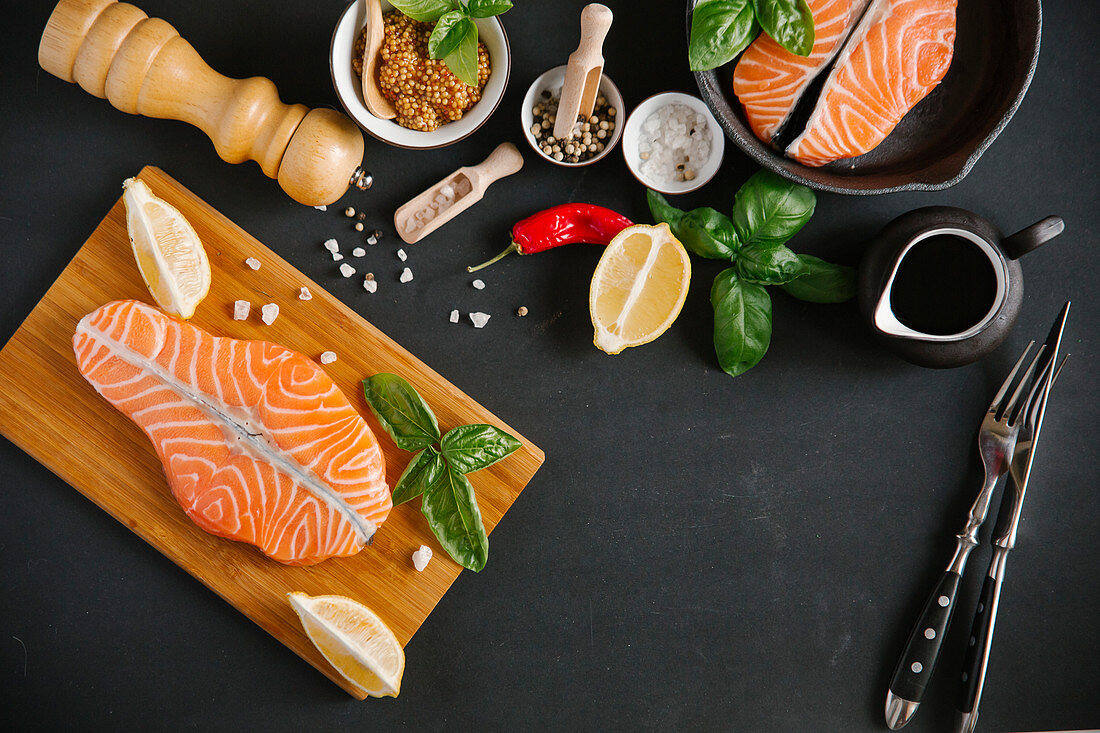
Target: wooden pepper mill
<point>142,66</point>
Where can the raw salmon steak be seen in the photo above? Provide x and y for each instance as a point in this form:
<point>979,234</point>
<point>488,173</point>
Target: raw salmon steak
<point>769,80</point>
<point>898,53</point>
<point>258,444</point>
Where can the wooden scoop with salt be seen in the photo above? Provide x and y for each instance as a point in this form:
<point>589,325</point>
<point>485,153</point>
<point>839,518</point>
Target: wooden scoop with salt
<point>584,70</point>
<point>454,194</point>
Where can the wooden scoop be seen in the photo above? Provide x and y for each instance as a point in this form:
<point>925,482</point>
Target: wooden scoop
<point>584,71</point>
<point>454,194</point>
<point>378,105</point>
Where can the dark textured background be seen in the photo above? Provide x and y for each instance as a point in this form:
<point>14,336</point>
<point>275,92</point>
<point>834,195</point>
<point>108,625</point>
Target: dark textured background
<point>698,551</point>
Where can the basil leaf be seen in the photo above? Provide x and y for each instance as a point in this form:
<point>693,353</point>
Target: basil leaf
<point>822,282</point>
<point>451,510</point>
<point>462,61</point>
<point>662,210</point>
<point>423,470</point>
<point>488,8</point>
<point>448,33</point>
<point>425,10</point>
<point>789,22</point>
<point>770,209</point>
<point>470,448</point>
<point>720,29</point>
<point>768,264</point>
<point>401,411</point>
<point>708,233</point>
<point>742,322</point>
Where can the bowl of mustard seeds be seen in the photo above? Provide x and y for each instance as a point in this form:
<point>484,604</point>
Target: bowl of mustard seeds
<point>434,108</point>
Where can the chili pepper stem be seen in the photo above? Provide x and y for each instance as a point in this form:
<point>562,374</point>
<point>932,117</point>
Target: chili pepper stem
<point>513,247</point>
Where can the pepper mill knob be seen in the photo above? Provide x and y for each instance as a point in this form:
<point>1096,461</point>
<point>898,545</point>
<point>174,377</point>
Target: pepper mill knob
<point>142,66</point>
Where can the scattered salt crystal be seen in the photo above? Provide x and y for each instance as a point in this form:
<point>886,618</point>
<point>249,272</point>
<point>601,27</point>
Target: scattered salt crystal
<point>421,557</point>
<point>328,357</point>
<point>304,294</point>
<point>322,207</point>
<point>332,245</point>
<point>406,275</point>
<point>269,313</point>
<point>479,284</point>
<point>253,263</point>
<point>241,309</point>
<point>401,255</point>
<point>409,226</point>
<point>347,270</point>
<point>370,285</point>
<point>479,319</point>
<point>454,316</point>
<point>336,256</point>
<point>358,252</point>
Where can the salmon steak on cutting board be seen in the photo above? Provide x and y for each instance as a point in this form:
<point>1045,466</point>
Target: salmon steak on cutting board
<point>258,444</point>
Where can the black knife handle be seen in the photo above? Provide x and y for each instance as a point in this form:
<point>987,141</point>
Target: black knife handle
<point>977,649</point>
<point>923,648</point>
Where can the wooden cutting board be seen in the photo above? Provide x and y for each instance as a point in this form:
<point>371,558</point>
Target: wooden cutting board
<point>48,410</point>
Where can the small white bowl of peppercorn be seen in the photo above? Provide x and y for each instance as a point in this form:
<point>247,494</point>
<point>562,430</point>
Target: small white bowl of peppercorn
<point>444,110</point>
<point>595,136</point>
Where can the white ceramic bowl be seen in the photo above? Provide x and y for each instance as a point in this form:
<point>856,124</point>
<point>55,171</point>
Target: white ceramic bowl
<point>632,134</point>
<point>349,89</point>
<point>553,80</point>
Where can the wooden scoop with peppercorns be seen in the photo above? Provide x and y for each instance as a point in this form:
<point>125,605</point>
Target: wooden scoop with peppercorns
<point>584,70</point>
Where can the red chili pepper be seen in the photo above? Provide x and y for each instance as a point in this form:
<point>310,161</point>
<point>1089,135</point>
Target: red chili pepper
<point>565,224</point>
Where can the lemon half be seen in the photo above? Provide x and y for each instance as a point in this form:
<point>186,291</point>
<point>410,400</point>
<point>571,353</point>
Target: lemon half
<point>638,288</point>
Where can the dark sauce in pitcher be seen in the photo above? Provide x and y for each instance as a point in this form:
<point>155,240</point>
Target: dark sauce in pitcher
<point>944,285</point>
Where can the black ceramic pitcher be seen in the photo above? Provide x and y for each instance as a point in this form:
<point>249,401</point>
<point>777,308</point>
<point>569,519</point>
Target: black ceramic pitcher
<point>958,312</point>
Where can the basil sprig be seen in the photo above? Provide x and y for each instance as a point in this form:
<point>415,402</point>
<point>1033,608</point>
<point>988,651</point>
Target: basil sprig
<point>438,474</point>
<point>454,38</point>
<point>721,29</point>
<point>767,211</point>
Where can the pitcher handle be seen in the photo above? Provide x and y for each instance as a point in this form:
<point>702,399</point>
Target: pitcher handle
<point>1039,233</point>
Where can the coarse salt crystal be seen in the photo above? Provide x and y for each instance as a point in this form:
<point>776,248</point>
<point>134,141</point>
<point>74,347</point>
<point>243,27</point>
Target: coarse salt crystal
<point>347,270</point>
<point>479,284</point>
<point>336,256</point>
<point>370,285</point>
<point>406,275</point>
<point>322,207</point>
<point>401,255</point>
<point>253,263</point>
<point>304,294</point>
<point>241,309</point>
<point>479,319</point>
<point>332,245</point>
<point>269,313</point>
<point>454,316</point>
<point>328,357</point>
<point>447,191</point>
<point>408,228</point>
<point>358,252</point>
<point>421,557</point>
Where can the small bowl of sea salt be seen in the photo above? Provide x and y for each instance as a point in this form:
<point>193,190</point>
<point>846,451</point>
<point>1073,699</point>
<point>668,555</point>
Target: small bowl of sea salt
<point>672,143</point>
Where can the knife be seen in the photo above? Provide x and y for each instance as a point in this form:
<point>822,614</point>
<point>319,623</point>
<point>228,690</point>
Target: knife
<point>976,663</point>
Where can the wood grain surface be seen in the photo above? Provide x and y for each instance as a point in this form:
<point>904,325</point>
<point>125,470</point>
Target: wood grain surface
<point>51,412</point>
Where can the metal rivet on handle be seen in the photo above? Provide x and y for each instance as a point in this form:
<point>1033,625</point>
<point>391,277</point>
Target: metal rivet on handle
<point>945,602</point>
<point>929,633</point>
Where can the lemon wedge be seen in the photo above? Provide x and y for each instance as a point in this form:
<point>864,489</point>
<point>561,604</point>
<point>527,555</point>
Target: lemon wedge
<point>354,641</point>
<point>638,288</point>
<point>167,249</point>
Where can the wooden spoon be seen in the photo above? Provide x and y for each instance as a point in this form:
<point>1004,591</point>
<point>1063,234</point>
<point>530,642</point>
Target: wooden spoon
<point>378,105</point>
<point>584,70</point>
<point>454,194</point>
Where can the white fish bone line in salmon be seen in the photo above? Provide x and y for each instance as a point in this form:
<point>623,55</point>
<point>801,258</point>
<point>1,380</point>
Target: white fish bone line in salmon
<point>258,445</point>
